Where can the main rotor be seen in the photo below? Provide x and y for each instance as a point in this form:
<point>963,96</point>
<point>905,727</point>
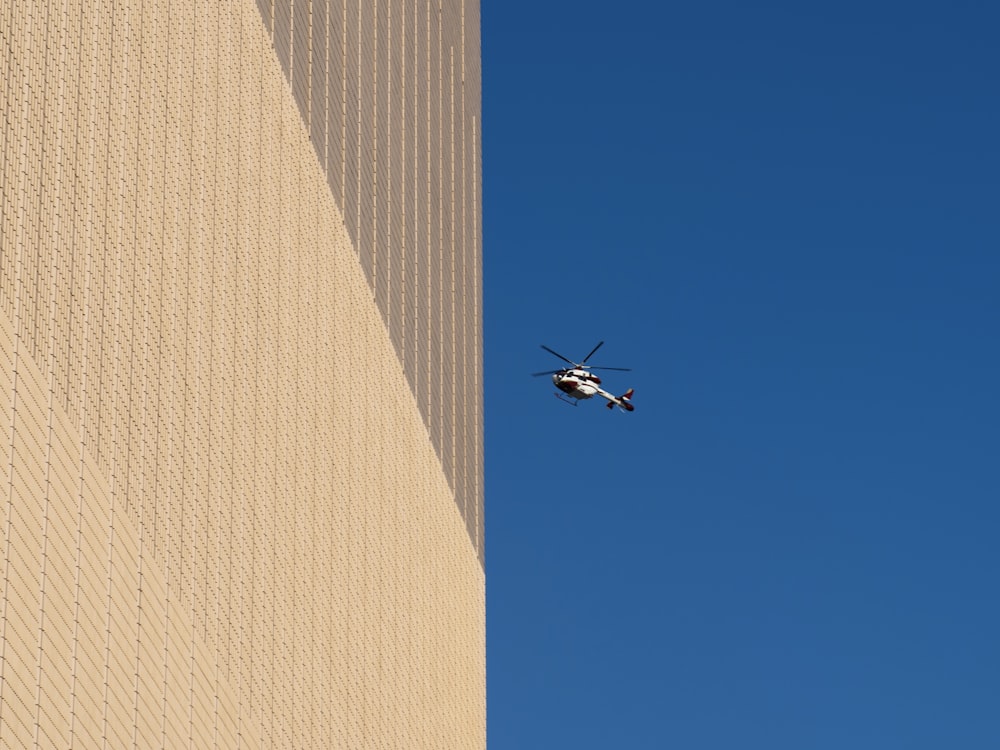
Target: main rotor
<point>582,365</point>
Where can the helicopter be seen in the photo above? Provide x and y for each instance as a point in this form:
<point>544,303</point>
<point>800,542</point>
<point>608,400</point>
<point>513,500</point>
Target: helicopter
<point>577,382</point>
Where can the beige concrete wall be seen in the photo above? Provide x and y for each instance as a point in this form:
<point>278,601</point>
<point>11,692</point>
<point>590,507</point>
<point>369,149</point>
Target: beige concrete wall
<point>224,521</point>
<point>390,93</point>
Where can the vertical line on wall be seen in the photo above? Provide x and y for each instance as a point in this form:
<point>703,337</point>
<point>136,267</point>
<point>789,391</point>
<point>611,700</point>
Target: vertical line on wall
<point>257,481</point>
<point>221,244</point>
<point>357,153</point>
<point>403,317</point>
<point>189,496</point>
<point>46,504</point>
<point>437,400</point>
<point>463,480</point>
<point>247,559</point>
<point>374,158</point>
<point>40,654</point>
<point>343,108</point>
<point>453,291</point>
<point>50,366</point>
<point>477,306</point>
<point>275,490</point>
<point>414,208</point>
<point>326,89</point>
<point>389,192</point>
<point>168,563</point>
<point>309,69</point>
<point>426,302</point>
<point>78,542</point>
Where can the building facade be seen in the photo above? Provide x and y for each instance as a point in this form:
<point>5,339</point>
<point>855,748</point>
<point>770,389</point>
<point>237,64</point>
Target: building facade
<point>241,374</point>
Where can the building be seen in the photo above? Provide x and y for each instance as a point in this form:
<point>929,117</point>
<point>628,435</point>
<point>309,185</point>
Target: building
<point>240,367</point>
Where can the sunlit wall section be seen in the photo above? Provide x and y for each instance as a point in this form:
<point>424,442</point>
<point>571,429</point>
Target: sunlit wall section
<point>390,93</point>
<point>222,520</point>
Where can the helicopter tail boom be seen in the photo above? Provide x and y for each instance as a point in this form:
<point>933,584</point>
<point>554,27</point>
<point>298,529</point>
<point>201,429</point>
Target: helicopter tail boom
<point>624,401</point>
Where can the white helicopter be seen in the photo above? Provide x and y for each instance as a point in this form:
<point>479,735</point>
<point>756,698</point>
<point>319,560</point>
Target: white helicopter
<point>578,383</point>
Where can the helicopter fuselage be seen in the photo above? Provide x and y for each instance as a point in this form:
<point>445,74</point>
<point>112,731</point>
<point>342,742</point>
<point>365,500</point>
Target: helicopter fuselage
<point>578,384</point>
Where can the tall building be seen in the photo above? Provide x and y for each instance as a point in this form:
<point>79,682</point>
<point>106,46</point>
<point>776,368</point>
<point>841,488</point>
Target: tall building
<point>241,374</point>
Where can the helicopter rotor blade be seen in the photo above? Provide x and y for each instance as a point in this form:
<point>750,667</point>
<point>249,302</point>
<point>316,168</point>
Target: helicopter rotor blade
<point>550,351</point>
<point>599,345</point>
<point>620,369</point>
<point>547,372</point>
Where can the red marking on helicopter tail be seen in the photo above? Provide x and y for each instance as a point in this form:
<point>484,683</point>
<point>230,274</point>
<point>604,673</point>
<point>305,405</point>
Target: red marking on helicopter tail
<point>628,394</point>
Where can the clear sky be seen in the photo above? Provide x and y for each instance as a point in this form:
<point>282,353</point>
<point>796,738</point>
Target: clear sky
<point>785,217</point>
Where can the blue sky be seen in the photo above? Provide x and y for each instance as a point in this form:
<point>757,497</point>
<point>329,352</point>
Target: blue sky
<point>784,218</point>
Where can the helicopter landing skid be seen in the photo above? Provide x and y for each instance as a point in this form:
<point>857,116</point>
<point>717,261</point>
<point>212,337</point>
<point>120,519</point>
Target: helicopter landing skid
<point>566,400</point>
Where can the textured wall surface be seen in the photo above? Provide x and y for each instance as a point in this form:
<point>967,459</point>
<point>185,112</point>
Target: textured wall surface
<point>390,93</point>
<point>227,515</point>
